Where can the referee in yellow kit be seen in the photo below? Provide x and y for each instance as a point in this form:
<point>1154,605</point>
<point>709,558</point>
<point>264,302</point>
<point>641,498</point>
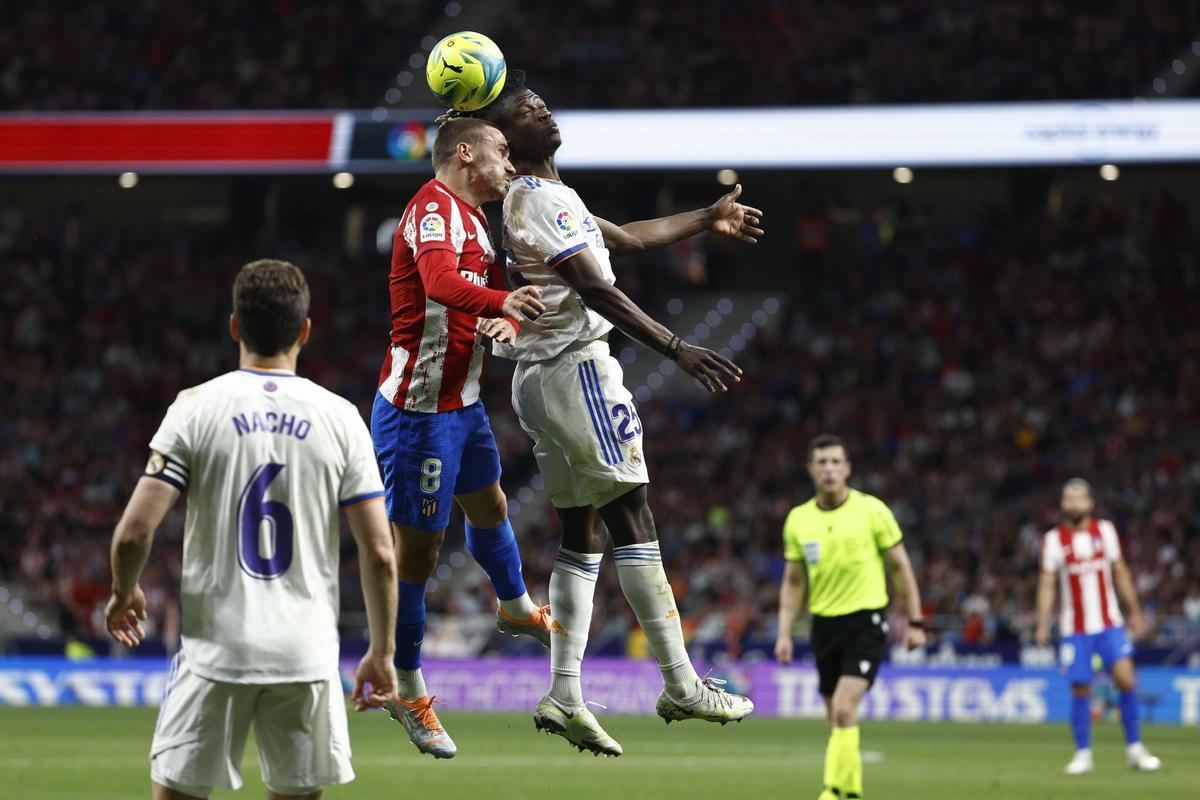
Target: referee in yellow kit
<point>836,545</point>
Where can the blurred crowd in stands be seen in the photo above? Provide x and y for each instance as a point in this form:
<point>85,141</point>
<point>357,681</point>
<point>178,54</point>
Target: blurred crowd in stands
<point>971,367</point>
<point>153,54</point>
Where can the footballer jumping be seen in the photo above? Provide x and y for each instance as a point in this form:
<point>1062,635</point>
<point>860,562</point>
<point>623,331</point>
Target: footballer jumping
<point>569,395</point>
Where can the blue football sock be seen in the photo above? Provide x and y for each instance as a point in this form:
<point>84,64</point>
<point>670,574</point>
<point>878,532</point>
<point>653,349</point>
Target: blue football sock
<point>496,551</point>
<point>1081,721</point>
<point>1129,717</point>
<point>410,625</point>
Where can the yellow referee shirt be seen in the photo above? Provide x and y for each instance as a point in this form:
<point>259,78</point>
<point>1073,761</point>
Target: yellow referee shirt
<point>842,550</point>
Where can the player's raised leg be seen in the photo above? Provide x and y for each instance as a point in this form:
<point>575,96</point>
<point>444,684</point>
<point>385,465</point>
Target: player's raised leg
<point>572,589</point>
<point>644,582</point>
<point>492,544</point>
<point>490,537</point>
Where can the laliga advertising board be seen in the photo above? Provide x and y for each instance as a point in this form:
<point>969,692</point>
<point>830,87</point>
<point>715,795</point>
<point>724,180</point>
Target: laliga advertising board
<point>959,694</point>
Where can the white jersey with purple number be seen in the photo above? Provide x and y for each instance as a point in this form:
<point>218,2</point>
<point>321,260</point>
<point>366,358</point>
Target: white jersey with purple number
<point>546,223</point>
<point>266,459</point>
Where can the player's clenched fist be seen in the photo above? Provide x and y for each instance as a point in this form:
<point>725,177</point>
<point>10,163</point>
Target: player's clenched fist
<point>525,300</point>
<point>783,649</point>
<point>713,370</point>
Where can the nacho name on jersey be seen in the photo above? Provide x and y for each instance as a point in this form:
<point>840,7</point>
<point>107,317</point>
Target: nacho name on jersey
<point>280,424</point>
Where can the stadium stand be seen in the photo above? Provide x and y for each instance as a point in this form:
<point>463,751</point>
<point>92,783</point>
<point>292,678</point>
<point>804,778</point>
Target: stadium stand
<point>973,367</point>
<point>158,55</point>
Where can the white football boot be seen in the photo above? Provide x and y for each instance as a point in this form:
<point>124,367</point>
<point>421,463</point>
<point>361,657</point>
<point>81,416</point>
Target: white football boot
<point>1139,758</point>
<point>577,725</point>
<point>709,702</point>
<point>423,726</point>
<point>1080,763</point>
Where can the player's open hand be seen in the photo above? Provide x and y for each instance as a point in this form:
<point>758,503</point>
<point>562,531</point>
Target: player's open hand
<point>731,218</point>
<point>784,649</point>
<point>123,617</point>
<point>524,300</point>
<point>713,370</point>
<point>1041,636</point>
<point>375,681</point>
<point>499,329</point>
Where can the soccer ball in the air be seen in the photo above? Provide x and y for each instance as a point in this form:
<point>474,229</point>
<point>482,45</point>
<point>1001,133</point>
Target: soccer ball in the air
<point>466,71</point>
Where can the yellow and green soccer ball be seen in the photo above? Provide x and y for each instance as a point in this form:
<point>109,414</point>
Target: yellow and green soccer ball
<point>466,71</point>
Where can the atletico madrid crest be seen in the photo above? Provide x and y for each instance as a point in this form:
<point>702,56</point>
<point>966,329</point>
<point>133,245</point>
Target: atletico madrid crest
<point>429,506</point>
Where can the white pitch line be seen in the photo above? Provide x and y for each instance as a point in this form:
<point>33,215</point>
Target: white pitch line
<point>570,761</point>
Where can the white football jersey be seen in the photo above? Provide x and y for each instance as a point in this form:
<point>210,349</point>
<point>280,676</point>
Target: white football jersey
<point>266,459</point>
<point>545,223</point>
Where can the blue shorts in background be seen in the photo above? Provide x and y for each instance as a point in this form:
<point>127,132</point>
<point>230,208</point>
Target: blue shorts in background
<point>427,459</point>
<point>1075,652</point>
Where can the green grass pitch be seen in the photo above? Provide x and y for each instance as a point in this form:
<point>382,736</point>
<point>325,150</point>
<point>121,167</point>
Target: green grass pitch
<point>101,753</point>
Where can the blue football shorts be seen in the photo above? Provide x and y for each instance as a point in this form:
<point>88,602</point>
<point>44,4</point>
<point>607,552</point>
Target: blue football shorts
<point>427,459</point>
<point>1075,652</point>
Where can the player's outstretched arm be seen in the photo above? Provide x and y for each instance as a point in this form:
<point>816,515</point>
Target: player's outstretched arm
<point>906,586</point>
<point>582,272</point>
<point>126,608</point>
<point>375,683</point>
<point>791,599</point>
<point>1045,606</point>
<point>1128,596</point>
<point>726,216</point>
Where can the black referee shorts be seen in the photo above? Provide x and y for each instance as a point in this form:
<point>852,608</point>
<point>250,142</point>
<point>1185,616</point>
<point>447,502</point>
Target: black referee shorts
<point>850,645</point>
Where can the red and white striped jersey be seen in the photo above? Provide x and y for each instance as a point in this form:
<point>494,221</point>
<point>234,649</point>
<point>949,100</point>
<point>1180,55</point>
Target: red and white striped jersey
<point>1083,560</point>
<point>436,358</point>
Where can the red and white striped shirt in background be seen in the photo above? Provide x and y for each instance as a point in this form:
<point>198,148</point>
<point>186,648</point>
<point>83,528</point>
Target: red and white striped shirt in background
<point>1083,561</point>
<point>440,249</point>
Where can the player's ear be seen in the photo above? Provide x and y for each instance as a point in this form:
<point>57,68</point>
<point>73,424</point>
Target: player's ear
<point>233,328</point>
<point>464,153</point>
<point>305,332</point>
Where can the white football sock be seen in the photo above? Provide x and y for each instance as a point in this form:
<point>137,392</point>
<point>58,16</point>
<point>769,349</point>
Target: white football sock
<point>572,587</point>
<point>519,607</point>
<point>639,568</point>
<point>412,684</point>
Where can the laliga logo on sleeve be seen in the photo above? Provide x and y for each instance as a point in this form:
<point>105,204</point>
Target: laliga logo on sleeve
<point>564,221</point>
<point>433,228</point>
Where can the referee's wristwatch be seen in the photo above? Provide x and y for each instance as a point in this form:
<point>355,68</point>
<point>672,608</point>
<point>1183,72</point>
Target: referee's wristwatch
<point>917,623</point>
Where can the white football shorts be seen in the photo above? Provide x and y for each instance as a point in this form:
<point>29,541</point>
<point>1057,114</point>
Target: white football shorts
<point>587,436</point>
<point>301,731</point>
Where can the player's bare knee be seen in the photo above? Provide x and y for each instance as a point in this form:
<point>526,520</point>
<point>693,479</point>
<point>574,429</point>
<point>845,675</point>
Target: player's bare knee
<point>490,514</point>
<point>417,554</point>
<point>161,792</point>
<point>845,714</point>
<point>629,519</point>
